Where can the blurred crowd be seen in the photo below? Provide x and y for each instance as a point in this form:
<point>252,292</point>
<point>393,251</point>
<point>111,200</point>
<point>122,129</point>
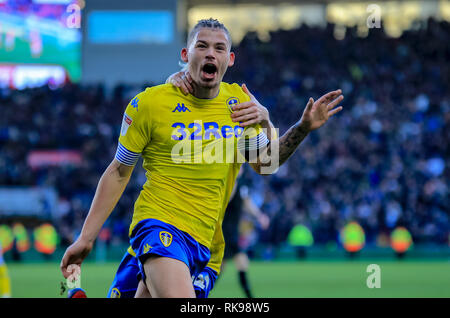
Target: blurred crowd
<point>382,161</point>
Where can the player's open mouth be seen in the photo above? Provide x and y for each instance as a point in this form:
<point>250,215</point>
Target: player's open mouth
<point>209,71</point>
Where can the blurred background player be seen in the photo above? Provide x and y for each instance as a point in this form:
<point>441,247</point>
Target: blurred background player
<point>5,283</point>
<point>240,202</point>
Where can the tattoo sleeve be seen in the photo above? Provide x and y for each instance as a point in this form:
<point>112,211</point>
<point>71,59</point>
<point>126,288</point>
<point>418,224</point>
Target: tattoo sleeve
<point>289,142</point>
<point>279,150</point>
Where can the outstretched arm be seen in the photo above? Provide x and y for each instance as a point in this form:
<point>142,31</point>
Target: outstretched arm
<point>109,190</point>
<point>315,115</point>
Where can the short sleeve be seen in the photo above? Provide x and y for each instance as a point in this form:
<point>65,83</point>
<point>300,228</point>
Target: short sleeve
<point>135,131</point>
<point>252,138</point>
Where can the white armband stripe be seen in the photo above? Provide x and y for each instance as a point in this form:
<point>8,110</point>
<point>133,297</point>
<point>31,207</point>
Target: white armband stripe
<point>253,143</point>
<point>125,156</point>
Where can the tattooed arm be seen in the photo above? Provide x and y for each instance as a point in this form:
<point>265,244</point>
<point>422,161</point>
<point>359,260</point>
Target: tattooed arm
<point>315,115</point>
<point>289,142</point>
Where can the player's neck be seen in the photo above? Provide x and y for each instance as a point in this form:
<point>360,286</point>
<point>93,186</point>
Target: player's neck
<point>205,92</point>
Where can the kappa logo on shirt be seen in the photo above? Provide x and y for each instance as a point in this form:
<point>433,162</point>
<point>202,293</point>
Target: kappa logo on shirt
<point>135,102</point>
<point>147,248</point>
<point>180,108</point>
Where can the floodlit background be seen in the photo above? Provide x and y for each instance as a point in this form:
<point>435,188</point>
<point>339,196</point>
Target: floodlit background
<point>370,187</point>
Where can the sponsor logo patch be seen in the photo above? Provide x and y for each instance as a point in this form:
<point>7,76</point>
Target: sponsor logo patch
<point>126,123</point>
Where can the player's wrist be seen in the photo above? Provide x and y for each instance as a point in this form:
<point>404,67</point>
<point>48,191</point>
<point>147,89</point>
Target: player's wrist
<point>86,238</point>
<point>265,123</point>
<point>303,127</point>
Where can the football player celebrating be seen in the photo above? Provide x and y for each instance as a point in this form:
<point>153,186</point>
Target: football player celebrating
<point>178,211</point>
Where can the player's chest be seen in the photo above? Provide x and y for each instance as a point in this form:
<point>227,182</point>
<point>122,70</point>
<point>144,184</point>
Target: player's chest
<point>187,121</point>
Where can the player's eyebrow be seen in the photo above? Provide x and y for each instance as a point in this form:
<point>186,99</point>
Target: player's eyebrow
<point>215,44</point>
<point>221,44</point>
<point>201,42</point>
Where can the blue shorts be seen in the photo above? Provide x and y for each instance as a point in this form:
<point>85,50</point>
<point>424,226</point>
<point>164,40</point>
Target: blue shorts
<point>126,280</point>
<point>204,282</point>
<point>153,237</point>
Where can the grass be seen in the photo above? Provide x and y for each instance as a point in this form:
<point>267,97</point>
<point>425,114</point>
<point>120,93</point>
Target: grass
<point>268,279</point>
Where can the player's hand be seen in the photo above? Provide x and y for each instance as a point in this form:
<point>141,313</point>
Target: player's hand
<point>317,113</point>
<point>183,80</point>
<point>75,254</point>
<point>251,112</point>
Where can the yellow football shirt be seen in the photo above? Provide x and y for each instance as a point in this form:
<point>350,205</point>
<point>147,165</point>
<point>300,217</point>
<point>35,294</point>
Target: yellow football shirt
<point>217,248</point>
<point>189,148</point>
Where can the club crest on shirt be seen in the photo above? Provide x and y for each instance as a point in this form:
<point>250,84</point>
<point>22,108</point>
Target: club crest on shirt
<point>115,293</point>
<point>231,102</point>
<point>126,122</point>
<point>166,238</point>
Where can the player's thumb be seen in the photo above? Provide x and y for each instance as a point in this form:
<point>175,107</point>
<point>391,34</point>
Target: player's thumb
<point>64,270</point>
<point>64,266</point>
<point>310,104</point>
<point>246,91</point>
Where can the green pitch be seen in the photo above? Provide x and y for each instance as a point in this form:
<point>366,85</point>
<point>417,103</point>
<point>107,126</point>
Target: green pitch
<point>267,279</point>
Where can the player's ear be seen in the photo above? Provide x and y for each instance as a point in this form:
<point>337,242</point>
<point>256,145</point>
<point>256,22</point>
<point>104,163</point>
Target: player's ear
<point>231,61</point>
<point>184,55</point>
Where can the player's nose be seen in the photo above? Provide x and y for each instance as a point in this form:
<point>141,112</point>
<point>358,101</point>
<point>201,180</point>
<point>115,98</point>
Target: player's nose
<point>210,54</point>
